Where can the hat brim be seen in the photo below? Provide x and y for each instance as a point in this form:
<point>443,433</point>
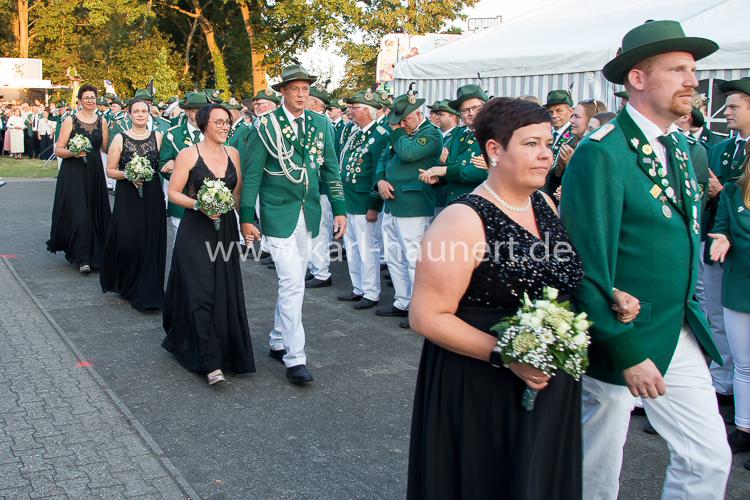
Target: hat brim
<point>616,70</point>
<point>735,86</point>
<point>187,105</point>
<point>395,118</point>
<point>372,104</point>
<point>277,86</point>
<point>556,102</point>
<point>456,103</point>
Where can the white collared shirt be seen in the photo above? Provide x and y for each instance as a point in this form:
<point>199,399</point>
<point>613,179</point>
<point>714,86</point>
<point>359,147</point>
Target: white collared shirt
<point>368,126</point>
<point>445,134</point>
<point>737,139</point>
<point>291,118</point>
<point>191,131</point>
<point>652,132</point>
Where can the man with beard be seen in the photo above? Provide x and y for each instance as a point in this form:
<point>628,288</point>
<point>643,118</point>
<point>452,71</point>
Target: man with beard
<point>632,209</point>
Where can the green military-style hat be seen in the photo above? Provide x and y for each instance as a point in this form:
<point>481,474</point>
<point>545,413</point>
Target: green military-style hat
<point>143,95</point>
<point>403,106</point>
<point>650,39</point>
<point>435,106</point>
<point>320,94</point>
<point>558,97</point>
<point>118,101</point>
<point>365,97</point>
<point>697,116</point>
<point>444,107</point>
<point>293,73</point>
<point>232,103</point>
<point>173,99</point>
<point>102,102</point>
<point>268,95</point>
<point>467,92</point>
<point>741,85</point>
<point>623,94</point>
<point>336,103</point>
<point>213,95</point>
<point>194,100</point>
<point>385,99</point>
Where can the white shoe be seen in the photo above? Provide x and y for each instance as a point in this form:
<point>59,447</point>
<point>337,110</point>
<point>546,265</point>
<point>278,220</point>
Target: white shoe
<point>215,376</point>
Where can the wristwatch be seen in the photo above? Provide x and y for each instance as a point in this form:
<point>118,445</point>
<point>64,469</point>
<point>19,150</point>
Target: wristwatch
<point>496,358</point>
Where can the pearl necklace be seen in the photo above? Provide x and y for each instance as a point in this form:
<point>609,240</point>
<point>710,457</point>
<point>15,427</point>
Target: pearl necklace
<point>505,204</point>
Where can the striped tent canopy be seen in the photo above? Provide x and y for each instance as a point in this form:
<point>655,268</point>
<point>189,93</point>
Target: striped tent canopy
<point>564,45</point>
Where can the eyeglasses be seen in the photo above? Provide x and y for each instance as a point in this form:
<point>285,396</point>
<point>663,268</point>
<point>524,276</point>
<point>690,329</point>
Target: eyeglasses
<point>471,110</point>
<point>222,123</point>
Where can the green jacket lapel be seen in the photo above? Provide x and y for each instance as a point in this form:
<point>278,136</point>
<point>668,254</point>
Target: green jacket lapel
<point>287,131</point>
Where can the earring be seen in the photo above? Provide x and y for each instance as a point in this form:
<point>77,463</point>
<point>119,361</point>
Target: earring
<point>493,161</point>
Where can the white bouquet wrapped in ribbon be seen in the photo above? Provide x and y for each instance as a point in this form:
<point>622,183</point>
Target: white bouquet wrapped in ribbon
<point>546,335</point>
<point>78,144</point>
<point>139,170</point>
<point>215,198</point>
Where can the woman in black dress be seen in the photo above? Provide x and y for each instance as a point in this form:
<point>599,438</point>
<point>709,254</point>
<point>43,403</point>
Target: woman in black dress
<point>135,252</point>
<point>80,212</point>
<point>470,436</point>
<point>204,310</point>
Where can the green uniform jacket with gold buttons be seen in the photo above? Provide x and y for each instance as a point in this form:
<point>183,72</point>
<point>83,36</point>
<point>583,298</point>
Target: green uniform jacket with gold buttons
<point>461,176</point>
<point>338,130</point>
<point>175,140</point>
<point>709,138</point>
<point>119,124</point>
<point>631,237</point>
<point>281,199</point>
<point>720,162</point>
<point>733,221</point>
<point>358,165</point>
<point>400,164</point>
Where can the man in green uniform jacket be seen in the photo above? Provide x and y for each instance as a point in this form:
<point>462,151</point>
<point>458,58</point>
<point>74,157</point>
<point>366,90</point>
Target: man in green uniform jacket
<point>358,163</point>
<point>284,158</point>
<point>632,209</point>
<point>415,145</point>
<point>177,138</point>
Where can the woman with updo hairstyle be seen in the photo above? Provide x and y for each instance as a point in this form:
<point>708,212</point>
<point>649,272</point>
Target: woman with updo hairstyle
<point>135,252</point>
<point>470,436</point>
<point>81,212</point>
<point>204,310</point>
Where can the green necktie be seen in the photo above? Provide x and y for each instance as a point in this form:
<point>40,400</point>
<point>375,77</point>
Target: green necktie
<point>300,122</point>
<point>196,136</point>
<point>673,173</point>
<point>739,154</point>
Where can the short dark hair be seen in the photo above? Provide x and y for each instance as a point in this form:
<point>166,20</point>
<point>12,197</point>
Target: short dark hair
<point>136,101</point>
<point>87,88</point>
<point>604,117</point>
<point>201,119</point>
<point>501,116</point>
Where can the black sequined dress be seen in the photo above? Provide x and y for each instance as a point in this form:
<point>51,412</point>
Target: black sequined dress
<point>80,212</point>
<point>470,436</point>
<point>135,252</point>
<point>204,309</point>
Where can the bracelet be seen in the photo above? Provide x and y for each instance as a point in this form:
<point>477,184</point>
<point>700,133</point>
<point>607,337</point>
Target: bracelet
<point>197,205</point>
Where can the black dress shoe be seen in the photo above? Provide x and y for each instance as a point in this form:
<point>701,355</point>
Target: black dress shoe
<point>278,354</point>
<point>365,304</point>
<point>638,411</point>
<point>649,429</point>
<point>392,312</point>
<point>725,399</point>
<point>316,283</point>
<point>264,255</point>
<point>298,374</point>
<point>739,441</point>
<point>266,260</point>
<point>352,297</point>
<point>404,323</point>
<point>309,276</point>
<point>271,266</point>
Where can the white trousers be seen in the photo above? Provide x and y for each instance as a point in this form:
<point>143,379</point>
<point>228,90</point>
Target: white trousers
<point>708,292</point>
<point>290,256</point>
<point>737,326</point>
<point>362,256</point>
<point>110,182</point>
<point>320,257</point>
<point>401,238</point>
<point>687,417</point>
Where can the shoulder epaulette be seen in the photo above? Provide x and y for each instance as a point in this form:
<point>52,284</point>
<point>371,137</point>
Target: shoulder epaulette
<point>381,130</point>
<point>691,140</point>
<point>600,133</point>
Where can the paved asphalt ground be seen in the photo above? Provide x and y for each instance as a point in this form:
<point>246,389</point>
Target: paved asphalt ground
<point>91,406</point>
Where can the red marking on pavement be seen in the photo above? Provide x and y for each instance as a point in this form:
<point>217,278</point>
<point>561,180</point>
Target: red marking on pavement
<point>8,256</point>
<point>83,363</point>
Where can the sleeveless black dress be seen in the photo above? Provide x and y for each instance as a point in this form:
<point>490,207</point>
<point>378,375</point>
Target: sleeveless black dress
<point>204,309</point>
<point>135,251</point>
<point>470,436</point>
<point>80,212</point>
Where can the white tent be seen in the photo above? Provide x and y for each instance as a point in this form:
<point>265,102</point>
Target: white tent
<point>568,42</point>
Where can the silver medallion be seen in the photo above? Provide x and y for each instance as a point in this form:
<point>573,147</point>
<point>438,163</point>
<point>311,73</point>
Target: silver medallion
<point>669,192</point>
<point>666,211</point>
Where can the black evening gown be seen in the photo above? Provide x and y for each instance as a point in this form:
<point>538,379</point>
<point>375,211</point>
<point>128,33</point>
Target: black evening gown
<point>204,309</point>
<point>470,436</point>
<point>80,212</point>
<point>135,251</point>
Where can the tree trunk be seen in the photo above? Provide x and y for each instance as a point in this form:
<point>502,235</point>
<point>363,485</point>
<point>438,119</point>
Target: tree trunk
<point>188,42</point>
<point>256,54</point>
<point>23,28</point>
<point>220,69</point>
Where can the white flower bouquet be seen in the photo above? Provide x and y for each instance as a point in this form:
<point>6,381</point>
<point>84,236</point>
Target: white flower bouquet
<point>78,144</point>
<point>215,198</point>
<point>139,169</point>
<point>546,335</point>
